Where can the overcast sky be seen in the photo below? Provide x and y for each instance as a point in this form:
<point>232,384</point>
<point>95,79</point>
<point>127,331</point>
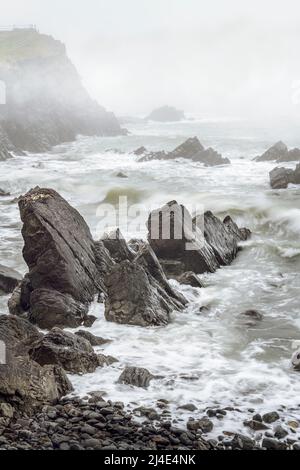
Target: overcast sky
<point>211,58</point>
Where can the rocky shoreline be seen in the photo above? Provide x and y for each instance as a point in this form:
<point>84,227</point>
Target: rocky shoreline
<point>93,423</point>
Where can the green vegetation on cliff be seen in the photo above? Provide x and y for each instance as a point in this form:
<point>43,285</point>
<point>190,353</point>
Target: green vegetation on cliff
<point>26,44</point>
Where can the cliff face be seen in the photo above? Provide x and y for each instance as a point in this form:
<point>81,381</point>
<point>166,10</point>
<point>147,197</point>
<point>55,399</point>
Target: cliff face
<point>46,103</point>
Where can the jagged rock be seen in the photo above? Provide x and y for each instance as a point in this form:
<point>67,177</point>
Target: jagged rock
<point>276,152</point>
<point>117,247</point>
<point>188,149</point>
<point>174,236</point>
<point>25,383</point>
<point>104,263</point>
<point>223,241</point>
<point>140,151</point>
<point>166,114</point>
<point>72,352</point>
<point>9,279</point>
<point>19,302</point>
<point>60,254</point>
<point>280,178</point>
<point>190,279</point>
<point>147,258</point>
<point>180,245</point>
<point>49,308</point>
<point>92,339</point>
<point>241,234</point>
<point>18,334</point>
<point>136,376</point>
<point>191,149</point>
<point>293,155</point>
<point>133,299</point>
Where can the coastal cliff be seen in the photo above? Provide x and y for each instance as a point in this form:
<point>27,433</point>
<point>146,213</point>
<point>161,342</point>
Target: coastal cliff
<point>46,103</point>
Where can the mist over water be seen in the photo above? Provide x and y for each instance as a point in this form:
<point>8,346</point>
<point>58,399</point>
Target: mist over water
<point>209,354</point>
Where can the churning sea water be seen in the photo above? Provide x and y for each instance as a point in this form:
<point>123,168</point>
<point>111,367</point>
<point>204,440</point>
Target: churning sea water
<point>207,356</point>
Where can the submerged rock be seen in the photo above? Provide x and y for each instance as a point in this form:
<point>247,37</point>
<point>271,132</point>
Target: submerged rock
<point>4,193</point>
<point>60,254</point>
<point>72,352</point>
<point>190,279</point>
<point>136,376</point>
<point>9,279</point>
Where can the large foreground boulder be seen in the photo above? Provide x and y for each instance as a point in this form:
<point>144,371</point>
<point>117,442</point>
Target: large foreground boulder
<point>18,334</point>
<point>191,149</point>
<point>183,245</point>
<point>72,352</point>
<point>9,279</point>
<point>59,252</point>
<point>23,382</point>
<point>280,178</point>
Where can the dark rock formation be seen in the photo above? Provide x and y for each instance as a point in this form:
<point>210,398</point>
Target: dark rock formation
<point>181,246</point>
<point>280,178</point>
<point>280,153</point>
<point>173,236</point>
<point>19,302</point>
<point>92,339</point>
<point>133,299</point>
<point>18,333</point>
<point>59,252</point>
<point>190,279</point>
<point>296,360</point>
<point>253,315</point>
<point>23,382</point>
<point>136,376</point>
<point>275,152</point>
<point>166,114</point>
<point>140,151</point>
<point>40,77</point>
<point>117,247</point>
<point>72,352</point>
<point>9,279</point>
<point>191,149</point>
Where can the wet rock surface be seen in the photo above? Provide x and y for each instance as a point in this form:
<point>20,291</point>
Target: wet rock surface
<point>96,424</point>
<point>136,376</point>
<point>191,149</point>
<point>72,352</point>
<point>280,177</point>
<point>59,252</point>
<point>183,244</point>
<point>9,279</point>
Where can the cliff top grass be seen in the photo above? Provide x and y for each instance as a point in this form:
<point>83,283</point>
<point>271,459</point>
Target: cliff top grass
<point>26,44</point>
